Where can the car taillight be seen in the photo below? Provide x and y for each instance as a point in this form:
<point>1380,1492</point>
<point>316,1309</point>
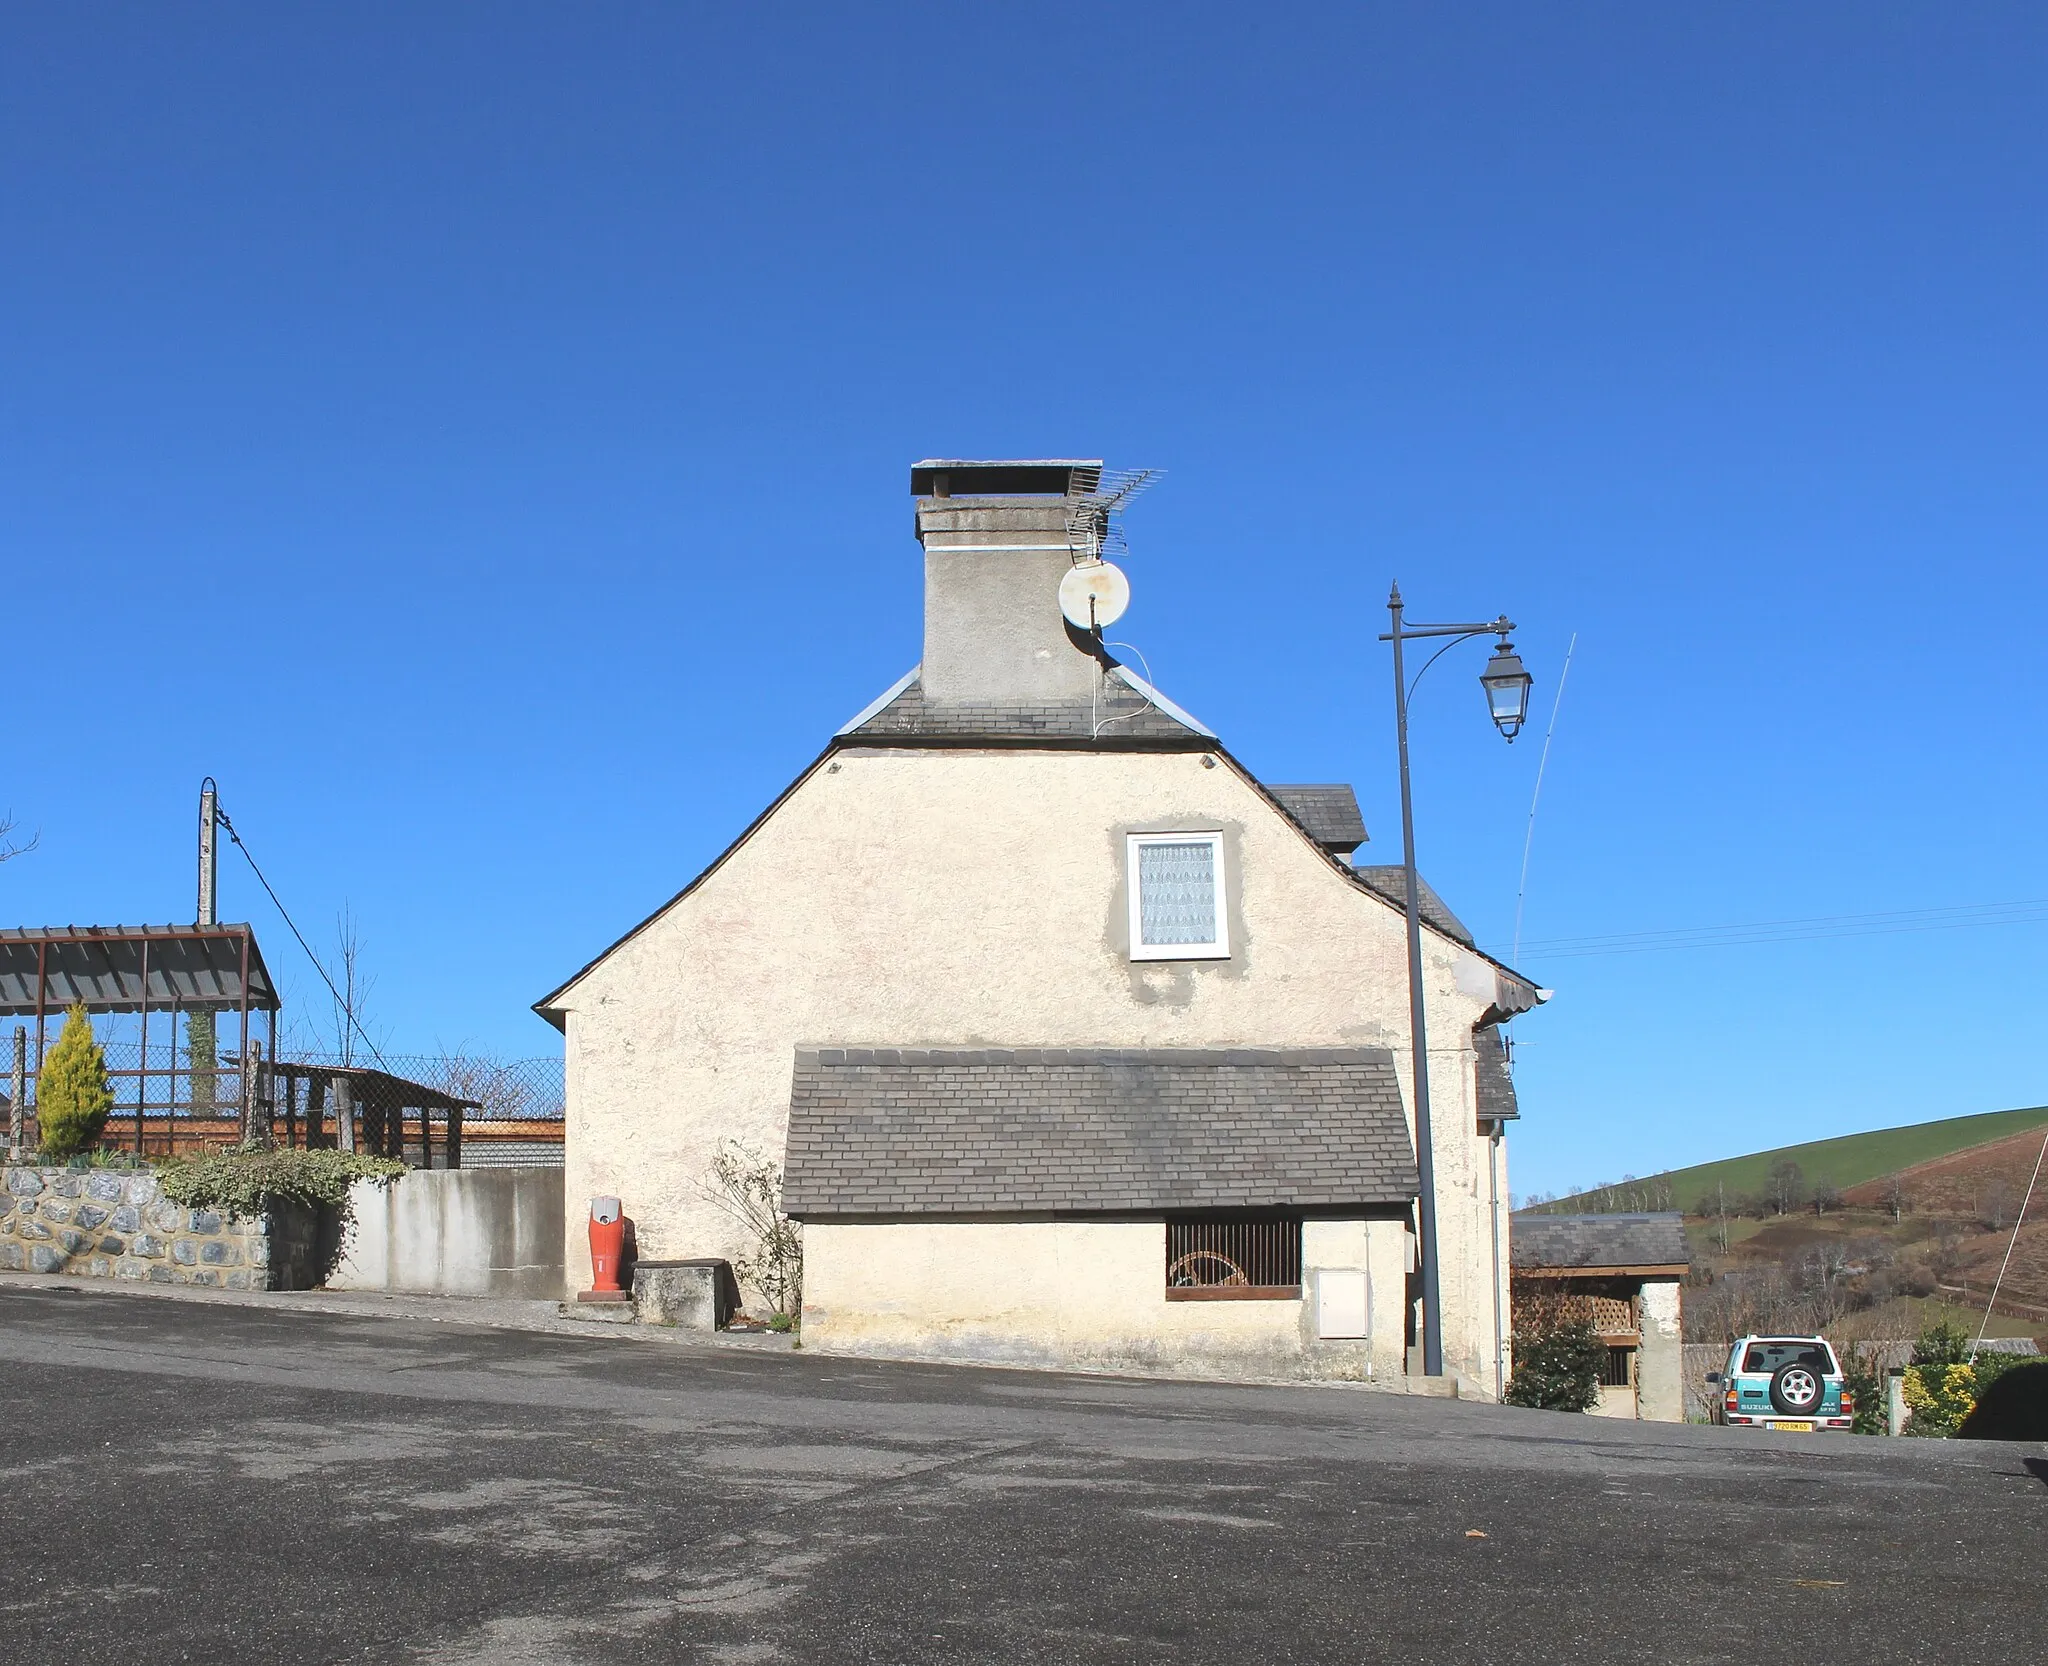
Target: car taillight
<point>1848,1403</point>
<point>1733,1399</point>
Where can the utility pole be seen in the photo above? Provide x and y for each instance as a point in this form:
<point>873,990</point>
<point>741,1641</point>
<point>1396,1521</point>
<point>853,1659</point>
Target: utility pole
<point>201,1039</point>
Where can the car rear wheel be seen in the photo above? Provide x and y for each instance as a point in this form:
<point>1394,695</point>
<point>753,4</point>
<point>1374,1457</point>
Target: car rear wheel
<point>1796,1390</point>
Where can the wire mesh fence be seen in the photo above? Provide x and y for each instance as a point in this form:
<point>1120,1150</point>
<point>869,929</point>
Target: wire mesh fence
<point>170,1096</point>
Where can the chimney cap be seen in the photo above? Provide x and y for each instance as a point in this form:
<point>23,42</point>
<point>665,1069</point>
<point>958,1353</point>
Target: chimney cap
<point>1004,477</point>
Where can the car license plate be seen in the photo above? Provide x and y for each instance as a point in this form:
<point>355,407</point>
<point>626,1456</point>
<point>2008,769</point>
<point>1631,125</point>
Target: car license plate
<point>1791,1428</point>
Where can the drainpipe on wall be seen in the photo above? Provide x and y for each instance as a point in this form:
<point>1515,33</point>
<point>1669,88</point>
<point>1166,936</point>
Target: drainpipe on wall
<point>1500,1387</point>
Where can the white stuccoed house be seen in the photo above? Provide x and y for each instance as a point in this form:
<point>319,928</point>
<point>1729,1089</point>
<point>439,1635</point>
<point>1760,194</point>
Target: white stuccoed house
<point>1082,1045</point>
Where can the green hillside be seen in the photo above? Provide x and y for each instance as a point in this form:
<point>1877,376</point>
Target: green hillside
<point>1848,1161</point>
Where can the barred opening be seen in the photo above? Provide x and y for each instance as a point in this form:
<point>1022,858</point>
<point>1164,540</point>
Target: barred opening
<point>1234,1257</point>
<point>1620,1369</point>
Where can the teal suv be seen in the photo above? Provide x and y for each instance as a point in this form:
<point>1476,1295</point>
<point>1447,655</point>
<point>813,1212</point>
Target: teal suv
<point>1790,1383</point>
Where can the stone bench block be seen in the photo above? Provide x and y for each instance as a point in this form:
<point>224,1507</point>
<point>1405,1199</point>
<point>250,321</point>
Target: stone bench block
<point>691,1295</point>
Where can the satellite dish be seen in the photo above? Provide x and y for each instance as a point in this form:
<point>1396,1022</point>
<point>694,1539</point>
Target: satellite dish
<point>1094,594</point>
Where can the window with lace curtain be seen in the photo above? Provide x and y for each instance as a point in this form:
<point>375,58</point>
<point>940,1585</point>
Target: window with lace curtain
<point>1177,897</point>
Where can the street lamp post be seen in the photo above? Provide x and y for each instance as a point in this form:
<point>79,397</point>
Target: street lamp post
<point>1507,698</point>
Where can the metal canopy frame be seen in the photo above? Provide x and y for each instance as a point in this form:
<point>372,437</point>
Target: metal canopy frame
<point>214,968</point>
<point>122,969</point>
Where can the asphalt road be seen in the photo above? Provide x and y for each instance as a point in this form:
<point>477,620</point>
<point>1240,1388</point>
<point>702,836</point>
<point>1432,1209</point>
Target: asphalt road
<point>189,1482</point>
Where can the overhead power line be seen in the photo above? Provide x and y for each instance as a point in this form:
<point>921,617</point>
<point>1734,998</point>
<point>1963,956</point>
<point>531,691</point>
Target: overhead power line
<point>278,902</point>
<point>1810,928</point>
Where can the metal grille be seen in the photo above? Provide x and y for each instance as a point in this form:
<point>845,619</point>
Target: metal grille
<point>1233,1255</point>
<point>511,1154</point>
<point>1620,1369</point>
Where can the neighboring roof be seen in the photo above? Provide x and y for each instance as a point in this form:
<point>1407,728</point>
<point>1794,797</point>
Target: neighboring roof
<point>1598,1243</point>
<point>1495,1087</point>
<point>1128,712</point>
<point>1391,881</point>
<point>887,1131</point>
<point>102,966</point>
<point>1328,813</point>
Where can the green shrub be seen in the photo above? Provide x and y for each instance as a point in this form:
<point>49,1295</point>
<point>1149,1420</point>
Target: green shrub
<point>72,1095</point>
<point>1942,1344</point>
<point>1939,1397</point>
<point>252,1178</point>
<point>1559,1371</point>
<point>244,1181</point>
<point>1861,1380</point>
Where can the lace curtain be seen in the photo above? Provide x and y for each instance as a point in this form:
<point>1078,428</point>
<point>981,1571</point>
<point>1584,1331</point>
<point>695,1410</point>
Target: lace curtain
<point>1177,893</point>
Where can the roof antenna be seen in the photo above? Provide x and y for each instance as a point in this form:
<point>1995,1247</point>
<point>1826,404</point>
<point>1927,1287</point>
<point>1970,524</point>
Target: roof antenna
<point>1096,592</point>
<point>1529,838</point>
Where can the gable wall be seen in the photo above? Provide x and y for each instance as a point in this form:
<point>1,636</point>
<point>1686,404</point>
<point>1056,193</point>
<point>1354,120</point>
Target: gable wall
<point>956,898</point>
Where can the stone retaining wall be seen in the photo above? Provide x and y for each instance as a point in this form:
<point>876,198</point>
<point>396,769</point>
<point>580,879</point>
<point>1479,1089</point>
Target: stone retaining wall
<point>111,1223</point>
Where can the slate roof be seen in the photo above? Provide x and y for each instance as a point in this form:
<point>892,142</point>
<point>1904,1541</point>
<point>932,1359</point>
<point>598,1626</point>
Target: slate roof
<point>1391,881</point>
<point>886,1131</point>
<point>1123,714</point>
<point>1596,1241</point>
<point>1329,814</point>
<point>1494,1086</point>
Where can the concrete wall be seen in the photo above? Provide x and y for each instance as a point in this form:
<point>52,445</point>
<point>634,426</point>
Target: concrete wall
<point>457,1232</point>
<point>1085,1293</point>
<point>992,626</point>
<point>111,1223</point>
<point>975,898</point>
<point>1660,1360</point>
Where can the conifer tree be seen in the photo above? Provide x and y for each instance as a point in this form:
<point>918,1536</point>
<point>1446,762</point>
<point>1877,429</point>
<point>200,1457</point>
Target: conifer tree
<point>72,1095</point>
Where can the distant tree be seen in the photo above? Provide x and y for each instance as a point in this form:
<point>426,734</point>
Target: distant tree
<point>1994,1204</point>
<point>1826,1196</point>
<point>1894,1195</point>
<point>1787,1186</point>
<point>72,1095</point>
<point>1945,1259</point>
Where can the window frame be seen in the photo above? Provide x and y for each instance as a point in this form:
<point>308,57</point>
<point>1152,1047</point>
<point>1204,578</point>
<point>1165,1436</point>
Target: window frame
<point>1251,1238</point>
<point>1139,948</point>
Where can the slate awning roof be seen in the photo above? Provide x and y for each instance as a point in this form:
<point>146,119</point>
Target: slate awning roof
<point>1493,1085</point>
<point>1598,1243</point>
<point>102,966</point>
<point>1328,814</point>
<point>939,1132</point>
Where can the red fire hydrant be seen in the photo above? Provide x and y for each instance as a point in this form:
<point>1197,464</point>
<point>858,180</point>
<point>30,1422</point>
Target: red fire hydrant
<point>607,1249</point>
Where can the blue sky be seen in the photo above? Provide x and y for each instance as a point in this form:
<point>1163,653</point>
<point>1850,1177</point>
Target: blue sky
<point>478,436</point>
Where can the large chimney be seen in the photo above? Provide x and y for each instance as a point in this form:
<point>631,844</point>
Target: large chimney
<point>995,550</point>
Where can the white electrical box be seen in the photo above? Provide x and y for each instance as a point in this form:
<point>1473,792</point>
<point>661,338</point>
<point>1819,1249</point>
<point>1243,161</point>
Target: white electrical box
<point>1343,1303</point>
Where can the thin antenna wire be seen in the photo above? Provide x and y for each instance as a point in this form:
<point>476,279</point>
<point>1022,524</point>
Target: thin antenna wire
<point>1097,725</point>
<point>222,816</point>
<point>2007,1262</point>
<point>1529,838</point>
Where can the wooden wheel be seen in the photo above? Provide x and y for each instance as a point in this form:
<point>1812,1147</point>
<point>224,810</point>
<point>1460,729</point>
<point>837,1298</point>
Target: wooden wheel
<point>1204,1267</point>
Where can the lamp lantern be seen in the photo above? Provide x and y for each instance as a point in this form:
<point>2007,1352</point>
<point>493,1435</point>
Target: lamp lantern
<point>1507,689</point>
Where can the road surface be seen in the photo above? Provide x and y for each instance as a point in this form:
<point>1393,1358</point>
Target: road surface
<point>198,1482</point>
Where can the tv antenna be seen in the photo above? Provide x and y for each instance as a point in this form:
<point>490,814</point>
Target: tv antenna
<point>1096,592</point>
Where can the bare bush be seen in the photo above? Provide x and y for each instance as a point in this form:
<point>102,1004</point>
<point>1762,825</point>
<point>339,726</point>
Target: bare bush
<point>10,846</point>
<point>748,1186</point>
